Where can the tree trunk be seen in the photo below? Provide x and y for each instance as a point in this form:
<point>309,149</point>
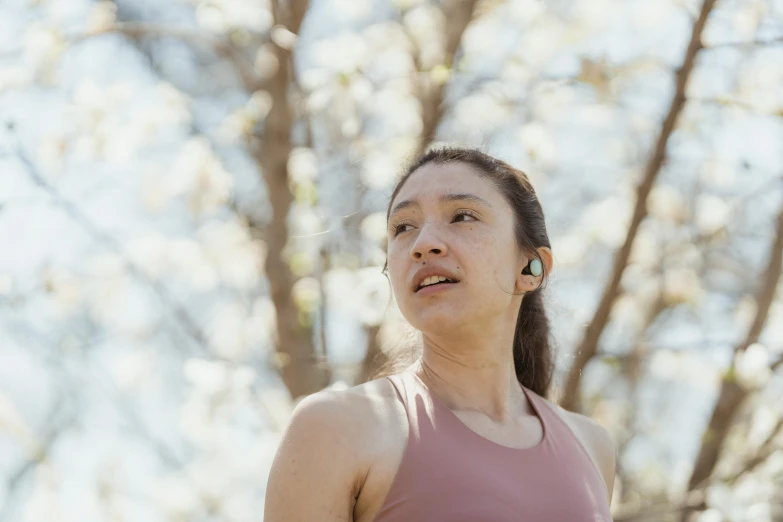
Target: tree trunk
<point>301,369</point>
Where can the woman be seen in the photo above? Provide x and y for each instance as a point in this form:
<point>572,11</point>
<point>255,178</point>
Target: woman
<point>464,433</point>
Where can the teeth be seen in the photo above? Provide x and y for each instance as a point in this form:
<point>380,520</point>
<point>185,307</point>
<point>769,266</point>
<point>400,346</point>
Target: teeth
<point>432,280</point>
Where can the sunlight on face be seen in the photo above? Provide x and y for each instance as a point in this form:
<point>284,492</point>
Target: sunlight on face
<point>448,217</point>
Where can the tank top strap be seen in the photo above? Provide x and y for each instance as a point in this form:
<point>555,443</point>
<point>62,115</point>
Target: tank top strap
<point>564,440</point>
<point>401,389</point>
<point>554,427</point>
<point>549,417</point>
<point>418,404</point>
<point>545,413</point>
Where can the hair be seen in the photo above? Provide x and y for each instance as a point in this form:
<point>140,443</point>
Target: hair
<point>533,353</point>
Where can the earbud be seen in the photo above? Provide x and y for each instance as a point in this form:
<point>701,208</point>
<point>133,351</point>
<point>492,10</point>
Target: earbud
<point>533,268</point>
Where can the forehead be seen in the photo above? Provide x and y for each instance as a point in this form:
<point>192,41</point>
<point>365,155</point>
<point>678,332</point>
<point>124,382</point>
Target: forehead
<point>433,179</point>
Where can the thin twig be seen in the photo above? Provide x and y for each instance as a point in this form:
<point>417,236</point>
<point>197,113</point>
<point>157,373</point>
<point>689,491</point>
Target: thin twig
<point>103,238</point>
<point>747,43</point>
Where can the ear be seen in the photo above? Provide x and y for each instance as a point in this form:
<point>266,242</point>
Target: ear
<point>529,282</point>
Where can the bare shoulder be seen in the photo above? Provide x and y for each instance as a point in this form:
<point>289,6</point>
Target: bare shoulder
<point>360,413</point>
<point>596,439</point>
<point>331,434</point>
<point>370,403</point>
<point>356,412</point>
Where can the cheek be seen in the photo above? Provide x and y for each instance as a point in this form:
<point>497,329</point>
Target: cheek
<point>396,268</point>
<point>488,258</point>
<point>483,246</point>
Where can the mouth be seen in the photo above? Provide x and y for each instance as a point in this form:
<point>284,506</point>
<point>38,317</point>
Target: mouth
<point>443,282</point>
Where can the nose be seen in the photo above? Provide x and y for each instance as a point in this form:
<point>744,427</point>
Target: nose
<point>428,242</point>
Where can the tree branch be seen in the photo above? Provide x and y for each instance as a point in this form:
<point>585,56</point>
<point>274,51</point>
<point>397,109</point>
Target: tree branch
<point>458,15</point>
<point>222,46</point>
<point>733,393</point>
<point>735,103</point>
<point>695,498</point>
<point>766,449</point>
<point>659,511</point>
<point>747,43</point>
<point>589,345</point>
<point>60,425</point>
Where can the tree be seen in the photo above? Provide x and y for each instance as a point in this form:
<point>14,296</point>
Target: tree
<point>202,189</point>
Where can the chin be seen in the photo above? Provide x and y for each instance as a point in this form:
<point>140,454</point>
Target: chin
<point>438,320</point>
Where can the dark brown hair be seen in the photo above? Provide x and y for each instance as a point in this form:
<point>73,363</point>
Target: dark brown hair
<point>533,357</point>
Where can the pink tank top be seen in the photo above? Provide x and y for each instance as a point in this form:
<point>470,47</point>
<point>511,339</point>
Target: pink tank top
<point>450,473</point>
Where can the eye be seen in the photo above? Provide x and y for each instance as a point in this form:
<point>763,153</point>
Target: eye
<point>399,229</point>
<point>465,213</point>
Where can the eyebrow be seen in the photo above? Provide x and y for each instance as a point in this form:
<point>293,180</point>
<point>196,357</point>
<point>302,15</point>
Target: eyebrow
<point>446,198</point>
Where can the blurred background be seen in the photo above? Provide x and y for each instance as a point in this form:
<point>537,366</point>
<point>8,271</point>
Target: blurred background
<point>192,231</point>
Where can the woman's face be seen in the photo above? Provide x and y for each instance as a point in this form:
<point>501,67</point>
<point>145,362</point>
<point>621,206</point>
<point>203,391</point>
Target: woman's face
<point>448,219</point>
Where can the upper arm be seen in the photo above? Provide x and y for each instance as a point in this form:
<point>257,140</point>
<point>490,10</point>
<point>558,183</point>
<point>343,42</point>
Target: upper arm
<point>315,470</point>
<point>605,450</point>
<point>601,445</point>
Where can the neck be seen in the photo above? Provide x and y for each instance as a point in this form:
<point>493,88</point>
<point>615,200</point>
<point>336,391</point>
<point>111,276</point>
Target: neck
<point>473,372</point>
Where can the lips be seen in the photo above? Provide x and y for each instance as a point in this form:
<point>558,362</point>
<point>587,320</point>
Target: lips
<point>424,273</point>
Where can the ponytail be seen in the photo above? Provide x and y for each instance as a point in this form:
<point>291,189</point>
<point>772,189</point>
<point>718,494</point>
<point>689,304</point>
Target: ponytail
<point>532,350</point>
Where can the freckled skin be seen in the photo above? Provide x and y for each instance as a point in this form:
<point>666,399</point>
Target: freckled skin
<point>433,234</point>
